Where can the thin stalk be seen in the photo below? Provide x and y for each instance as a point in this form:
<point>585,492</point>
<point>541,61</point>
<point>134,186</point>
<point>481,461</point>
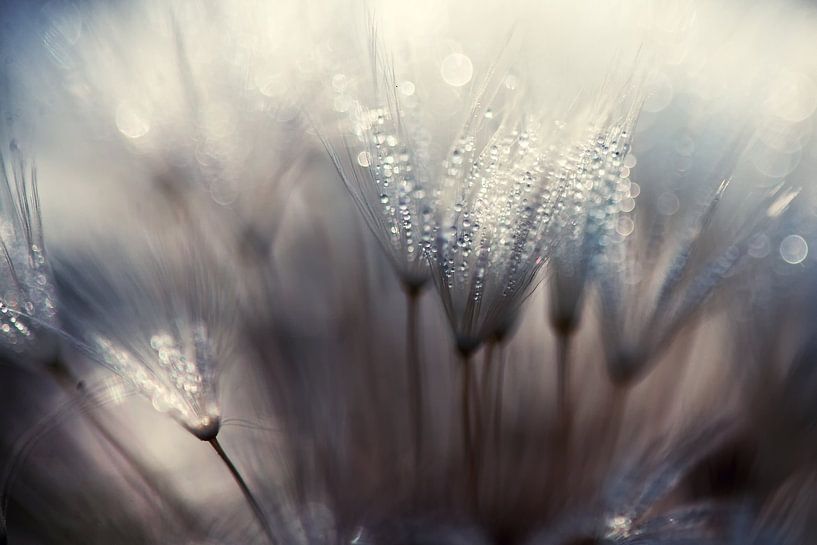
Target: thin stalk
<point>563,380</point>
<point>500,385</point>
<point>415,373</point>
<point>487,383</point>
<point>253,503</point>
<point>615,418</point>
<point>483,413</point>
<point>467,430</point>
<point>497,416</point>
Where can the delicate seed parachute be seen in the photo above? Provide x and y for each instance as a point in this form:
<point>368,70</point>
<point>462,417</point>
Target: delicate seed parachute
<point>159,317</point>
<point>384,162</point>
<point>494,235</point>
<point>27,301</point>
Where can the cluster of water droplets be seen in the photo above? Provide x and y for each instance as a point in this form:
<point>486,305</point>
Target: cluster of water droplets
<point>174,372</point>
<point>652,282</point>
<point>493,238</point>
<point>601,197</point>
<point>27,298</point>
<point>385,173</point>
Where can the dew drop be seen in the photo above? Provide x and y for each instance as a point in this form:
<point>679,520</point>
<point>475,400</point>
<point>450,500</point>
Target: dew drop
<point>339,82</point>
<point>667,204</point>
<point>406,88</point>
<point>625,226</point>
<point>793,249</point>
<point>131,122</point>
<point>456,69</point>
<point>364,159</point>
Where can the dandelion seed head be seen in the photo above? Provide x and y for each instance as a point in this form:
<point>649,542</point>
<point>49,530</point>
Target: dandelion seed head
<point>156,312</point>
<point>494,218</point>
<point>174,379</point>
<point>385,166</point>
<point>28,314</point>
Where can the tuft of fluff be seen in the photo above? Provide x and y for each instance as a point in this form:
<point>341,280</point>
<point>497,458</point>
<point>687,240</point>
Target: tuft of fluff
<point>383,160</point>
<point>653,279</point>
<point>159,315</point>
<point>28,316</point>
<point>492,235</point>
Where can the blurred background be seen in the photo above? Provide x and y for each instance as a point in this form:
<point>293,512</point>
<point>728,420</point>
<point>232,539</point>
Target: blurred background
<point>198,132</point>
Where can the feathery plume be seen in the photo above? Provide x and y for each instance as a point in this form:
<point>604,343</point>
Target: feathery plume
<point>28,314</point>
<point>653,279</point>
<point>157,316</point>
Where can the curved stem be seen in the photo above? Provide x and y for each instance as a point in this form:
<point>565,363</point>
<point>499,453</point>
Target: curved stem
<point>253,503</point>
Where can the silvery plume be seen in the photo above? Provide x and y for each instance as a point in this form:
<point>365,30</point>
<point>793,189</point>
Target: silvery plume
<point>660,264</point>
<point>596,173</point>
<point>492,233</point>
<point>28,314</point>
<point>157,313</point>
<point>383,159</point>
<point>598,188</point>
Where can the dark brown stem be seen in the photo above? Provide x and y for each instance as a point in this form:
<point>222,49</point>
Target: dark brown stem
<point>614,419</point>
<point>500,385</point>
<point>563,380</point>
<point>415,374</point>
<point>467,430</point>
<point>487,385</point>
<point>253,503</point>
<point>497,416</point>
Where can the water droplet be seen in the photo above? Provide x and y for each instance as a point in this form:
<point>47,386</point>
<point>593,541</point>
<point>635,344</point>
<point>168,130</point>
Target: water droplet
<point>794,249</point>
<point>364,159</point>
<point>339,82</point>
<point>131,122</point>
<point>406,88</point>
<point>625,226</point>
<point>667,204</point>
<point>456,69</point>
